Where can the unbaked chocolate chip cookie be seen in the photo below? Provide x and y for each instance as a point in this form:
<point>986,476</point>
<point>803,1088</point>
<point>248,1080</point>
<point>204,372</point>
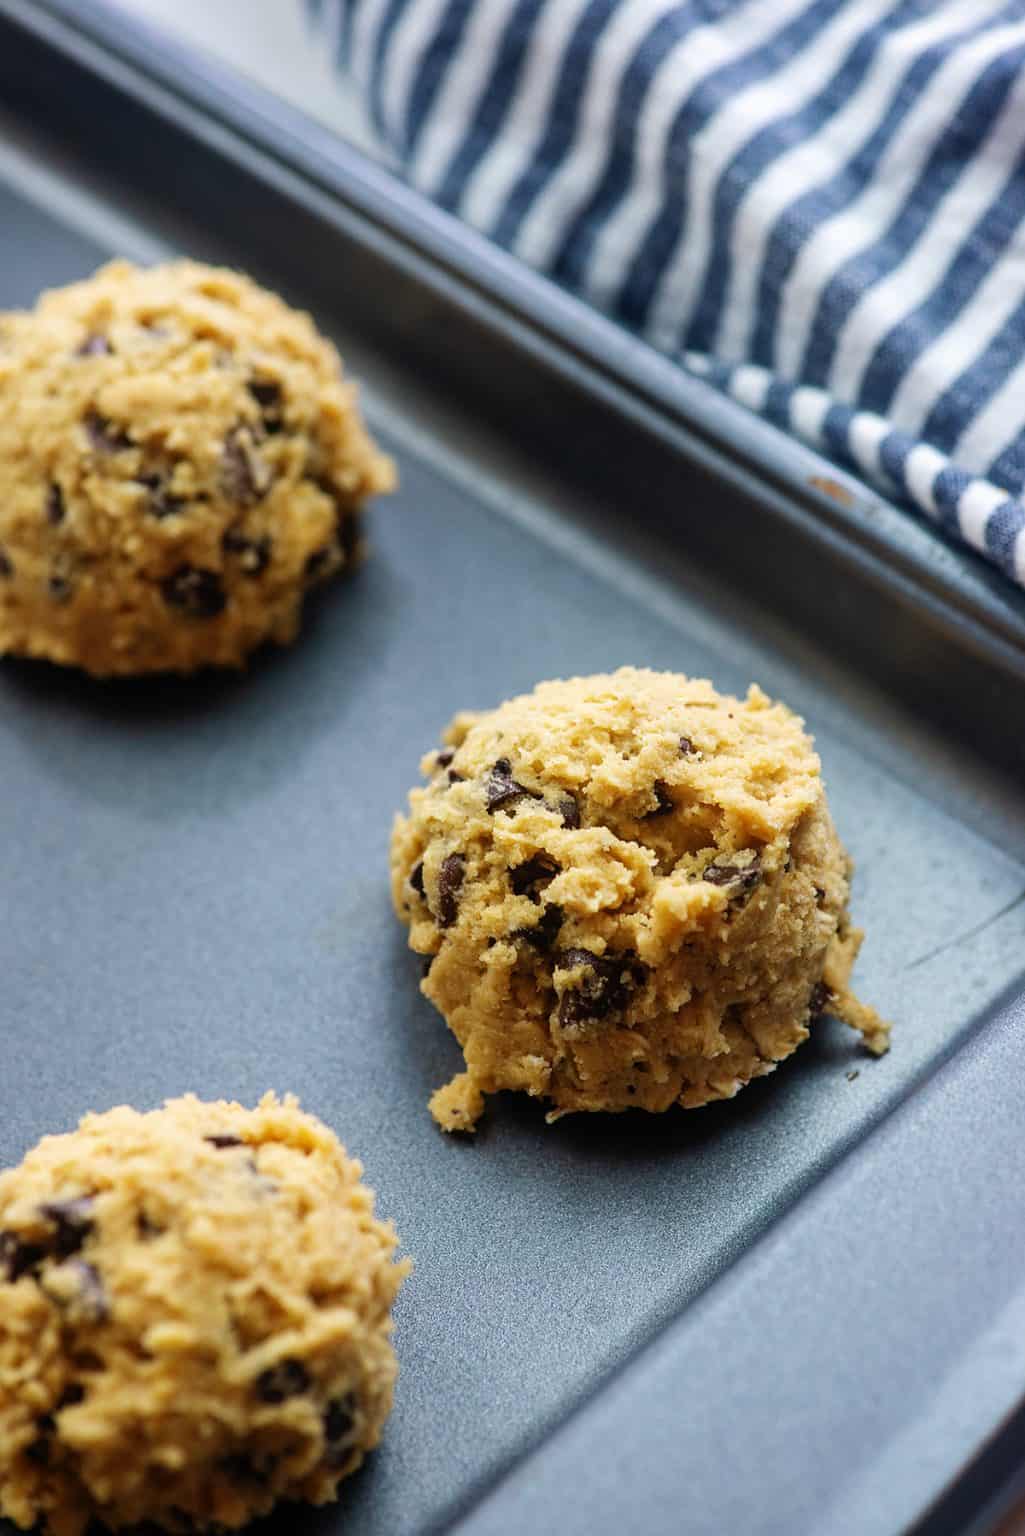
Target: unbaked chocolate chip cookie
<point>194,1319</point>
<point>631,894</point>
<point>181,459</point>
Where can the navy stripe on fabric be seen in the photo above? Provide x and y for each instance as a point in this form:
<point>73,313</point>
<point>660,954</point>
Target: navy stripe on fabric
<point>434,66</point>
<point>836,433</point>
<point>980,251</point>
<point>378,69</point>
<point>970,121</point>
<point>799,221</point>
<point>1008,468</point>
<point>948,488</point>
<point>893,454</point>
<point>976,385</point>
<point>563,117</point>
<point>495,101</point>
<point>777,139</point>
<point>1002,532</point>
<point>638,291</point>
<point>575,250</point>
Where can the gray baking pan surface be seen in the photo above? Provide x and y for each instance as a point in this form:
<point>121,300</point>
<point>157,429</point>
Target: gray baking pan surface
<point>195,897</point>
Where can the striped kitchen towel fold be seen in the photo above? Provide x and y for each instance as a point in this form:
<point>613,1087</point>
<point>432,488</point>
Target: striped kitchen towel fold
<point>818,205</point>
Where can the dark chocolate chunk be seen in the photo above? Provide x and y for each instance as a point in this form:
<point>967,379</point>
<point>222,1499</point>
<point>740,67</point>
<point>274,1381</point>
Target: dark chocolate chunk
<point>664,802</point>
<point>55,505</point>
<point>92,1295</point>
<point>544,933</point>
<point>416,879</point>
<point>196,591</point>
<point>569,810</point>
<point>73,1221</point>
<point>160,502</point>
<point>821,998</point>
<point>222,1140</point>
<point>245,478</point>
<point>529,878</point>
<point>686,746</point>
<point>290,1378</point>
<point>317,564</point>
<point>254,554</point>
<point>502,789</point>
<point>103,435</point>
<point>444,756</point>
<point>73,1394</point>
<point>607,983</point>
<point>17,1257</point>
<point>266,393</point>
<point>450,879</point>
<point>739,878</point>
<point>6,568</point>
<point>94,345</point>
<point>456,778</point>
<point>340,1418</point>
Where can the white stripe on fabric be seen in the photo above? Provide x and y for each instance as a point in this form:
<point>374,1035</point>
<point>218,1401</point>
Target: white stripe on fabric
<point>750,386</point>
<point>470,68</point>
<point>488,188</point>
<point>858,227</point>
<point>574,180</point>
<point>937,366</point>
<point>921,467</point>
<point>365,27</point>
<point>409,42</point>
<point>866,435</point>
<point>815,162</point>
<point>977,504</point>
<point>997,424</point>
<point>701,51</point>
<point>736,123</point>
<point>882,306</point>
<point>808,411</point>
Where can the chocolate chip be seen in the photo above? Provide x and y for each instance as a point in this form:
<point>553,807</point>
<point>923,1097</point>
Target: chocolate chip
<point>456,778</point>
<point>416,879</point>
<point>39,1450</point>
<point>444,756</point>
<point>94,345</point>
<point>686,746</point>
<point>502,789</point>
<point>569,810</point>
<point>103,435</point>
<point>741,879</point>
<point>92,1295</point>
<point>544,934</point>
<point>266,393</point>
<point>72,1395</point>
<point>533,875</point>
<point>245,478</point>
<point>6,568</point>
<point>450,879</point>
<point>290,1378</point>
<point>160,503</point>
<point>55,505</point>
<point>607,983</point>
<point>73,1221</point>
<point>317,564</point>
<point>254,554</point>
<point>195,591</point>
<point>340,1418</point>
<point>18,1257</point>
<point>222,1141</point>
<point>59,587</point>
<point>821,998</point>
<point>664,802</point>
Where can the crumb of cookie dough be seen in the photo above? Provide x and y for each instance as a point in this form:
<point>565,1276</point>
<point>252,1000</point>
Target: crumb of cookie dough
<point>631,892</point>
<point>181,460</point>
<point>194,1318</point>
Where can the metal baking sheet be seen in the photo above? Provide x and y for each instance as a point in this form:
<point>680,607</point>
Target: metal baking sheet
<point>727,1320</point>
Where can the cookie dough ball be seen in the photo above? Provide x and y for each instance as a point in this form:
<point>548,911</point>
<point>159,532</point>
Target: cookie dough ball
<point>180,461</point>
<point>631,893</point>
<point>194,1319</point>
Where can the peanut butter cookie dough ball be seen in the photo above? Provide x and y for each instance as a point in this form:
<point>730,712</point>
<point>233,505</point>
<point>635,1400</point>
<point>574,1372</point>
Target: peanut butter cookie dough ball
<point>631,893</point>
<point>181,459</point>
<point>194,1319</point>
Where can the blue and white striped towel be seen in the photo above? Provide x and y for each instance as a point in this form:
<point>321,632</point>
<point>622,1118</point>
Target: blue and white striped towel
<point>819,205</point>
